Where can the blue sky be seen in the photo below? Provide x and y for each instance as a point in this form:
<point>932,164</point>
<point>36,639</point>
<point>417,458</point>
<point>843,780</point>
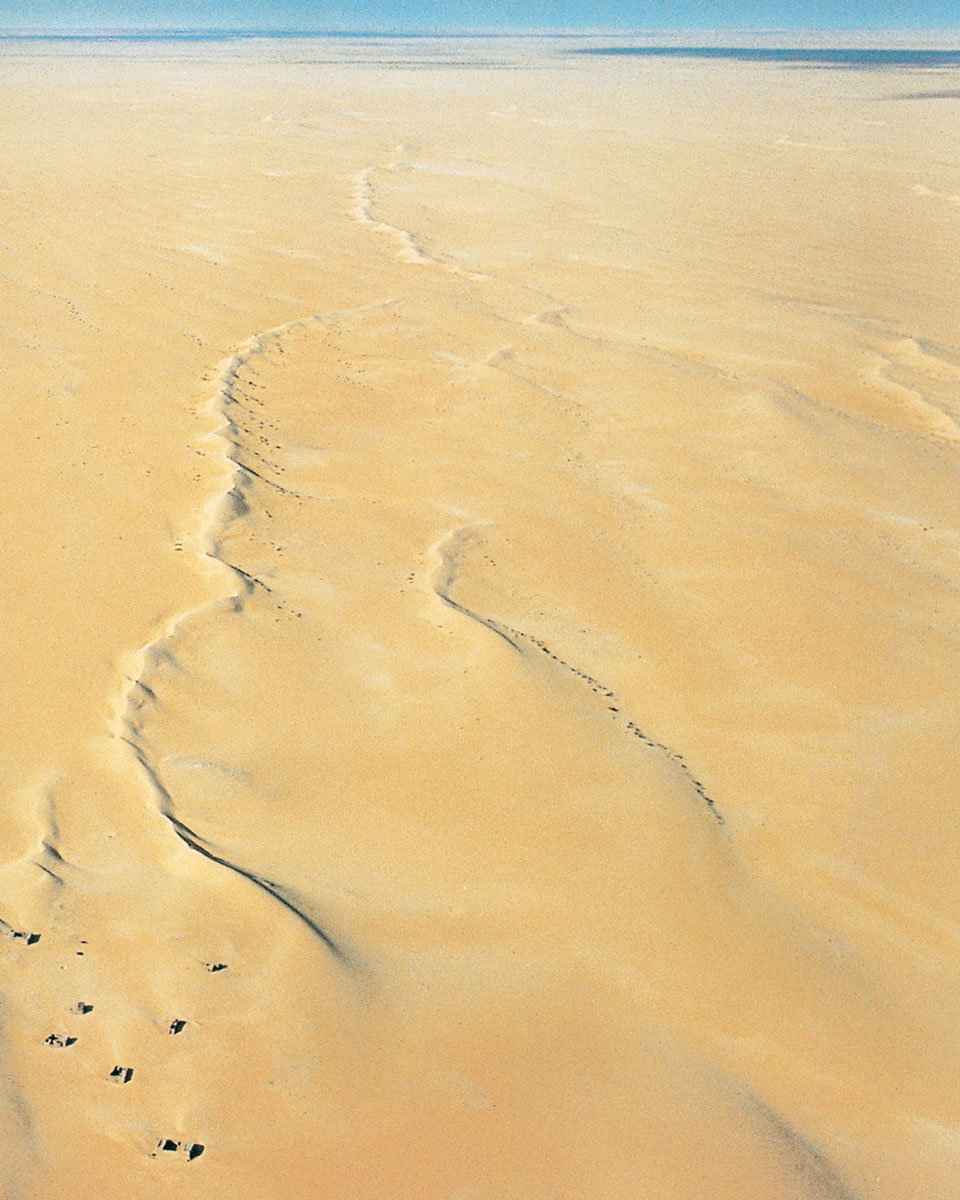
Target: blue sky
<point>427,15</point>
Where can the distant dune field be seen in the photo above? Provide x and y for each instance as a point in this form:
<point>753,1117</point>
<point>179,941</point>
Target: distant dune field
<point>481,624</point>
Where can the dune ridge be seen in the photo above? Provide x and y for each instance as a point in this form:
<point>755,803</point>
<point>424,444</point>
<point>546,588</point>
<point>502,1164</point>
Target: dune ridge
<point>446,577</point>
<point>222,511</point>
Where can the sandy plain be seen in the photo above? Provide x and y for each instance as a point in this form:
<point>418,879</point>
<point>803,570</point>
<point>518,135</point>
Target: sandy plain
<point>479,627</point>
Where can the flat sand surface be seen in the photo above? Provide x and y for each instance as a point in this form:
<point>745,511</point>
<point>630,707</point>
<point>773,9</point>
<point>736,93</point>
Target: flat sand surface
<point>480,625</point>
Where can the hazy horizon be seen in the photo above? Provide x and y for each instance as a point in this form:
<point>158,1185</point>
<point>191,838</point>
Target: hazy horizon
<point>433,17</point>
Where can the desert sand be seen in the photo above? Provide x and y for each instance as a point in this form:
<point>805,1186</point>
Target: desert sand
<point>480,627</point>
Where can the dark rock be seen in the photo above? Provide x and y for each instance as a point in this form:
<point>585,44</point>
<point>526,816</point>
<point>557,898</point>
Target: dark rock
<point>56,1040</point>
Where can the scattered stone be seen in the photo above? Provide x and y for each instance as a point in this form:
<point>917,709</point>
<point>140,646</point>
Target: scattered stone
<point>56,1040</point>
<point>177,1026</point>
<point>211,967</point>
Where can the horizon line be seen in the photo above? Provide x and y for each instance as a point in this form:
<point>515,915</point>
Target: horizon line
<point>185,31</point>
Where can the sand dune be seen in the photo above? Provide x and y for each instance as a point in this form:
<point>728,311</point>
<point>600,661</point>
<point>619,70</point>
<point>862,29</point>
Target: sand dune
<point>480,627</point>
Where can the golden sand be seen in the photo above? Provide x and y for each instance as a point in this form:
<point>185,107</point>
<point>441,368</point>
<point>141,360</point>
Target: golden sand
<point>480,626</point>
